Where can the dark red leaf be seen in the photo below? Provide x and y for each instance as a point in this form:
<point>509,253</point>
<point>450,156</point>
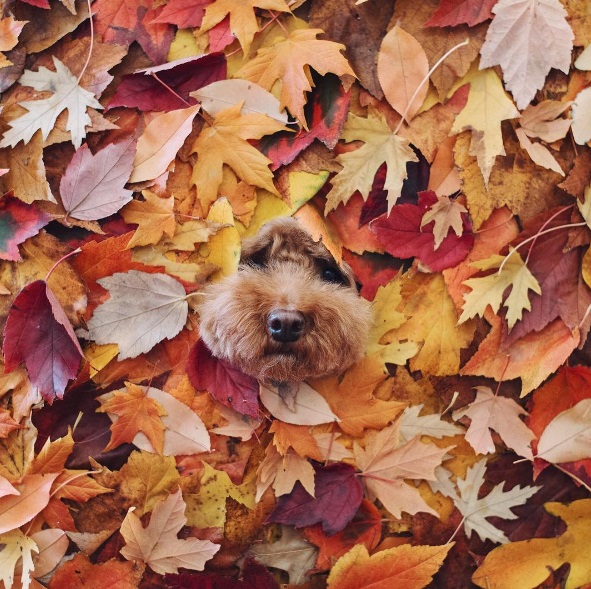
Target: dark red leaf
<point>402,236</point>
<point>254,576</point>
<point>223,382</point>
<point>338,496</point>
<point>39,3</point>
<point>143,90</point>
<point>38,333</point>
<point>372,271</point>
<point>329,109</point>
<point>18,221</point>
<point>451,13</point>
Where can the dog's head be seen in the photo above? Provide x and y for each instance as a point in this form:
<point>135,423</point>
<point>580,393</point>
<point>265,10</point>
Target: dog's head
<point>290,313</point>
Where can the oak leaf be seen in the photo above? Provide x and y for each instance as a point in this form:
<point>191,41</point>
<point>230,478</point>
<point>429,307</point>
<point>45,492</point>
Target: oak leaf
<point>93,186</point>
<point>42,114</point>
<point>497,502</point>
<point>360,166</point>
<point>137,412</point>
<point>510,271</point>
<point>143,309</point>
<point>410,566</point>
<point>527,39</point>
<point>16,546</point>
<point>488,105</point>
<point>154,217</point>
<point>385,466</point>
<point>501,414</point>
<point>528,563</point>
<point>224,142</point>
<point>158,545</point>
<point>289,61</point>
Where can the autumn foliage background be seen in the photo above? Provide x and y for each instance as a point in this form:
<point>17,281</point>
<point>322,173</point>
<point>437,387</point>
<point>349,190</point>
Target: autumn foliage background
<point>140,147</point>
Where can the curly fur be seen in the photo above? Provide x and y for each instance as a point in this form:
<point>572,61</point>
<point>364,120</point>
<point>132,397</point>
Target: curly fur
<point>284,268</point>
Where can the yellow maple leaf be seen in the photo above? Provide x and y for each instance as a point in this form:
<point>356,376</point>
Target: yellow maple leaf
<point>243,21</point>
<point>411,567</point>
<point>489,290</point>
<point>431,322</point>
<point>154,217</point>
<point>360,166</point>
<point>137,412</point>
<point>224,142</point>
<point>527,564</point>
<point>288,61</point>
<point>488,105</point>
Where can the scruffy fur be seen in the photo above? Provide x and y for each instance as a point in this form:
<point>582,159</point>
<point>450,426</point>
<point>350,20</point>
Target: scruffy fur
<point>282,269</point>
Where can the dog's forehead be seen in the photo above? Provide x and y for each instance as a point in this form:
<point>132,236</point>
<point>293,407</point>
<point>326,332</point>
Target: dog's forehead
<point>284,238</point>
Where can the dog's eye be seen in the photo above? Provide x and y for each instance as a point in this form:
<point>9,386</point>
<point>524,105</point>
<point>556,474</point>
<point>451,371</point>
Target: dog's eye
<point>332,275</point>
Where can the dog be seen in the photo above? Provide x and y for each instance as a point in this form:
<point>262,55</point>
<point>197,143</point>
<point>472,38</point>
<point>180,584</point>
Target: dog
<point>290,313</point>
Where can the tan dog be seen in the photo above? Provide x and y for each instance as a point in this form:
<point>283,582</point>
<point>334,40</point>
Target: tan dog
<point>290,313</point>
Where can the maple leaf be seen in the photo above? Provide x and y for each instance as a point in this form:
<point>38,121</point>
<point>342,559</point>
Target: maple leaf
<point>158,545</point>
<point>184,14</point>
<point>490,411</point>
<point>528,563</point>
<point>527,39</point>
<point>497,503</point>
<point>487,106</point>
<point>451,13</point>
<point>360,166</point>
<point>291,553</point>
<point>93,186</point>
<point>224,142</point>
<point>489,290</point>
<point>137,412</point>
<point>412,424</point>
<point>154,217</point>
<point>17,547</point>
<point>143,309</point>
<point>39,334</point>
<point>411,566</point>
<point>337,496</point>
<point>42,114</point>
<point>243,22</point>
<point>385,465</point>
<point>18,222</point>
<point>288,61</point>
<point>446,214</point>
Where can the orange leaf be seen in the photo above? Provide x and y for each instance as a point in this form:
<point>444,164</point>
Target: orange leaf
<point>297,437</point>
<point>411,567</point>
<point>16,510</point>
<point>155,217</point>
<point>137,412</point>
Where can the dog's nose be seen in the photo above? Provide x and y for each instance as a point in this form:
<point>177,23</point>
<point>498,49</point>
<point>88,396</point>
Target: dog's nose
<point>285,325</point>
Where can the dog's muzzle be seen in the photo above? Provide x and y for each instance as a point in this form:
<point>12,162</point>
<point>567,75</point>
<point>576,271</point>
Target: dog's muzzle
<point>285,325</point>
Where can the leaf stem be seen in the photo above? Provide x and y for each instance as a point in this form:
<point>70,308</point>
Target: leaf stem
<point>426,79</point>
<point>73,252</point>
<point>154,75</point>
<point>85,66</point>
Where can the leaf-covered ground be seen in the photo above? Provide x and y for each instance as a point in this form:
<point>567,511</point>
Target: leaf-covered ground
<point>441,148</point>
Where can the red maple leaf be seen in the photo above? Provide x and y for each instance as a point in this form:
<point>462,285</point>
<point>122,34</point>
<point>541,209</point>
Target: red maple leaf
<point>402,236</point>
<point>451,13</point>
<point>338,496</point>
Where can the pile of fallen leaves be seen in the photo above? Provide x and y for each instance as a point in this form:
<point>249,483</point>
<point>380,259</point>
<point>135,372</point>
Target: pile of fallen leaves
<point>439,148</point>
